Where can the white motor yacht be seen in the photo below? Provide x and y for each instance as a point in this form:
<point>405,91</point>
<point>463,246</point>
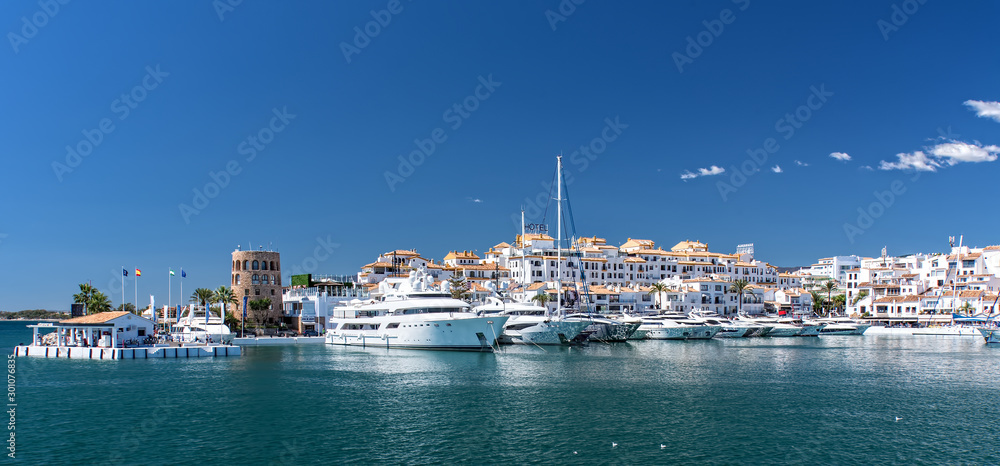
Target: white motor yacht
<point>605,329</point>
<point>408,313</point>
<point>677,326</point>
<point>730,328</point>
<point>528,324</point>
<point>778,327</point>
<point>191,327</point>
<point>839,326</point>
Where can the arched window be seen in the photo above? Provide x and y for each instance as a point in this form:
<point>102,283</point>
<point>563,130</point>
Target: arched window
<point>267,279</point>
<point>263,265</point>
<point>256,265</point>
<point>255,279</point>
<point>272,265</point>
<point>276,279</point>
<point>237,279</point>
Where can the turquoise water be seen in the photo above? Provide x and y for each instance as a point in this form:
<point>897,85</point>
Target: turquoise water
<point>828,400</point>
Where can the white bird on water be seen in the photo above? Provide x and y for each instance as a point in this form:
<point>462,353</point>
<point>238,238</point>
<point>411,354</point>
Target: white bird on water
<point>662,446</point>
<point>898,418</point>
<point>613,444</point>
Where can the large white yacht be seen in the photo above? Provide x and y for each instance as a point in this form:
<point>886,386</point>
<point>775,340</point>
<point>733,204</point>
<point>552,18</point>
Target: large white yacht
<point>839,326</point>
<point>730,328</point>
<point>529,325</point>
<point>606,329</point>
<point>408,313</point>
<point>779,327</point>
<point>191,326</point>
<point>677,326</point>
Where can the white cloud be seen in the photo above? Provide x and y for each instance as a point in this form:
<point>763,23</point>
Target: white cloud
<point>943,155</point>
<point>776,169</point>
<point>985,109</point>
<point>841,156</point>
<point>915,161</point>
<point>955,152</point>
<point>474,200</point>
<point>713,170</point>
<point>866,168</point>
<point>801,164</point>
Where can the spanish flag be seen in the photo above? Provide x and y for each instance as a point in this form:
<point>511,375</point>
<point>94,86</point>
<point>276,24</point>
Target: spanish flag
<point>138,273</point>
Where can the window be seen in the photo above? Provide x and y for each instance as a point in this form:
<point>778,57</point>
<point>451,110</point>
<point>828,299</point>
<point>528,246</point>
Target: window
<point>272,291</point>
<point>272,266</point>
<point>245,265</point>
<point>255,279</point>
<point>256,265</point>
<point>263,265</point>
<point>267,279</point>
<point>256,291</point>
<point>704,287</point>
<point>246,291</point>
<point>237,279</point>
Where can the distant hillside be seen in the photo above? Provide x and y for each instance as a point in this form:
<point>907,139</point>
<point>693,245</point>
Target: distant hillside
<point>788,269</point>
<point>33,314</point>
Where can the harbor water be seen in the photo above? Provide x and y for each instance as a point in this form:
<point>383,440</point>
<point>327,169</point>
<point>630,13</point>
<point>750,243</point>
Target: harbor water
<point>827,400</point>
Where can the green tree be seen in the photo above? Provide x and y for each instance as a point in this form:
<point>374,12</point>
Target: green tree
<point>817,300</point>
<point>94,300</point>
<point>203,296</point>
<point>260,311</point>
<point>655,289</point>
<point>224,296</point>
<point>861,295</point>
<point>966,309</point>
<point>129,307</point>
<point>542,298</point>
<point>840,302</point>
<point>740,287</point>
<point>459,287</point>
<point>829,286</point>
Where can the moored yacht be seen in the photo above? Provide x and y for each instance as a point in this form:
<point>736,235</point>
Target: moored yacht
<point>839,326</point>
<point>605,329</point>
<point>677,326</point>
<point>409,314</point>
<point>192,326</point>
<point>528,324</point>
<point>730,328</point>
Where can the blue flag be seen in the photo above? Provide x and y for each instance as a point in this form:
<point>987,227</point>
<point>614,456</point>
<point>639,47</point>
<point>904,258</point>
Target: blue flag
<point>124,273</point>
<point>245,298</point>
<point>183,274</point>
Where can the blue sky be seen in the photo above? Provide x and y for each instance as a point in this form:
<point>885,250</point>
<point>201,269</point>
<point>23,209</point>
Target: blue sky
<point>204,86</point>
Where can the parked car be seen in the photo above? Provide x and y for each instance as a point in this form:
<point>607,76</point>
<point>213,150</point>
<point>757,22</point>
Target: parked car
<point>310,333</point>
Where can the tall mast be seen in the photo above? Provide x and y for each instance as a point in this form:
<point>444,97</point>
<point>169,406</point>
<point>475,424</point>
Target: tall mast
<point>524,259</point>
<point>558,233</point>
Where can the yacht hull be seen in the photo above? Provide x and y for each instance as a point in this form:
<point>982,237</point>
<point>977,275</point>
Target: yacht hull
<point>991,335</point>
<point>466,334</point>
<point>543,333</point>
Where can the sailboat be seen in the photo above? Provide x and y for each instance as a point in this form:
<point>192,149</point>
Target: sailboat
<point>602,328</point>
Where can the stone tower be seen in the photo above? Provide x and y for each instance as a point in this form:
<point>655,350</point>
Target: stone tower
<point>257,275</point>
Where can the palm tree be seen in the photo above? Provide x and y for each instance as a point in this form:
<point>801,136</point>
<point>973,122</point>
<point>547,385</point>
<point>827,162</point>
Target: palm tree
<point>740,287</point>
<point>225,296</point>
<point>94,300</point>
<point>840,302</point>
<point>203,296</point>
<point>830,285</point>
<point>861,295</point>
<point>655,289</point>
<point>259,311</point>
<point>817,300</point>
<point>542,298</point>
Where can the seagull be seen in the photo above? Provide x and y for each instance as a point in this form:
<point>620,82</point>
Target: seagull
<point>613,444</point>
<point>898,418</point>
<point>575,453</point>
<point>662,446</point>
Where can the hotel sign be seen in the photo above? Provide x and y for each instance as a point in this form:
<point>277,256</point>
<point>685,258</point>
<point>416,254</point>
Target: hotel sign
<point>536,228</point>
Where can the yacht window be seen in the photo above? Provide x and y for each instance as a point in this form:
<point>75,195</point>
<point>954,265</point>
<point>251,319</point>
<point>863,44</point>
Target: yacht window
<point>392,325</point>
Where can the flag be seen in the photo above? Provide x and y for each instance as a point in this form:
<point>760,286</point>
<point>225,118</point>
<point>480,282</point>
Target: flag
<point>183,274</point>
<point>138,273</point>
<point>124,273</point>
<point>171,272</point>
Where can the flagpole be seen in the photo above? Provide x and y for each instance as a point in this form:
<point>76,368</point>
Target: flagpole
<point>170,273</point>
<point>123,287</point>
<point>136,289</point>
